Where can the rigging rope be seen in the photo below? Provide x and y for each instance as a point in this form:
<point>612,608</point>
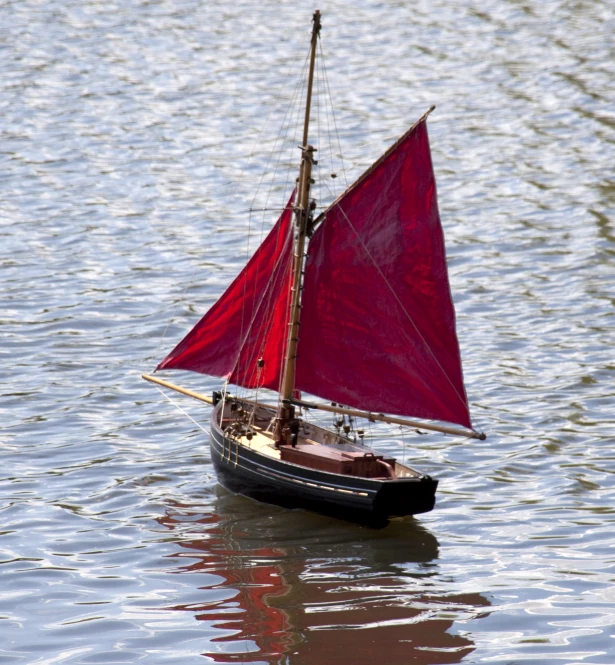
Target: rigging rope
<point>404,310</point>
<point>191,280</point>
<point>283,126</point>
<point>177,406</point>
<point>330,98</point>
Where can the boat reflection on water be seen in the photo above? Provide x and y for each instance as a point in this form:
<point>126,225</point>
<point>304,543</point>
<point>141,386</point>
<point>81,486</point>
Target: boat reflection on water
<point>301,588</point>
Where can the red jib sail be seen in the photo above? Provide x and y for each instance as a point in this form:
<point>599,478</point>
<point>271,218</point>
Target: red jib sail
<point>378,324</point>
<point>248,322</point>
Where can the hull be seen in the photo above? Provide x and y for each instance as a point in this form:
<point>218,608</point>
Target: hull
<point>246,471</point>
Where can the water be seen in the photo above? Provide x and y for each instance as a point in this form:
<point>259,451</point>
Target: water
<point>125,132</point>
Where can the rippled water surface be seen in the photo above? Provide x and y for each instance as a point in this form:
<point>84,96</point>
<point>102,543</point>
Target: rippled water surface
<point>124,183</point>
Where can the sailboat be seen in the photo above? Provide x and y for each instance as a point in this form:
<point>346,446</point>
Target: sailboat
<point>351,306</point>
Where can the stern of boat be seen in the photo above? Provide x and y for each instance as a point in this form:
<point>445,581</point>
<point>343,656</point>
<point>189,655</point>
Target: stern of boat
<point>403,497</point>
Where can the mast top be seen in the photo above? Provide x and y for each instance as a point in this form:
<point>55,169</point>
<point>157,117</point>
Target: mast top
<point>316,21</point>
<point>308,101</point>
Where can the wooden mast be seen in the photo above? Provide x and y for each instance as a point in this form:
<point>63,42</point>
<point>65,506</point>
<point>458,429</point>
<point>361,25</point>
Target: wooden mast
<point>303,215</point>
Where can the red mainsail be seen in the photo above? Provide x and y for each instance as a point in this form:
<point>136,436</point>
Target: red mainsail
<point>249,321</point>
<point>378,323</point>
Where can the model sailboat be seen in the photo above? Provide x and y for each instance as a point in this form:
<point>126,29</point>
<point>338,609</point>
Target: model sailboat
<point>352,306</point>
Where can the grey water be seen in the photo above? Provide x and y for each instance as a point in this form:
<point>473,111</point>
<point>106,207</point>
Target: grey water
<point>127,127</point>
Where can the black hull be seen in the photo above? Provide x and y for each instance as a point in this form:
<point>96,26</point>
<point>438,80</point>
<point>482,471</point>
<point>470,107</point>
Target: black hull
<point>270,480</point>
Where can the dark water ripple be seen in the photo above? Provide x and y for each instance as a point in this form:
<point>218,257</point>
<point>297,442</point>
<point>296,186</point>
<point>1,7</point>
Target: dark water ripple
<point>124,181</point>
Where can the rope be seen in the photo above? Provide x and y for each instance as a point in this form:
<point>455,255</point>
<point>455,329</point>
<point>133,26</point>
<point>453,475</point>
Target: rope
<point>177,406</point>
<point>330,98</point>
<point>256,310</point>
<point>281,138</point>
<point>399,302</point>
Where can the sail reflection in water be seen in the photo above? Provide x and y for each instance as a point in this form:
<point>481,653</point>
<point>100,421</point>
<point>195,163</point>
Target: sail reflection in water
<point>303,593</point>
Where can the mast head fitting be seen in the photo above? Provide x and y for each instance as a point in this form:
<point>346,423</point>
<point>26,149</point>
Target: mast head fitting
<point>316,21</point>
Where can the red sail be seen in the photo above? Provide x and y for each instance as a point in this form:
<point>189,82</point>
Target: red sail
<point>378,324</point>
<point>249,321</point>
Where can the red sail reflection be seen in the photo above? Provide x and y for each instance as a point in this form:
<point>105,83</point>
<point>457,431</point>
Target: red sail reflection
<point>316,600</point>
<point>247,613</point>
